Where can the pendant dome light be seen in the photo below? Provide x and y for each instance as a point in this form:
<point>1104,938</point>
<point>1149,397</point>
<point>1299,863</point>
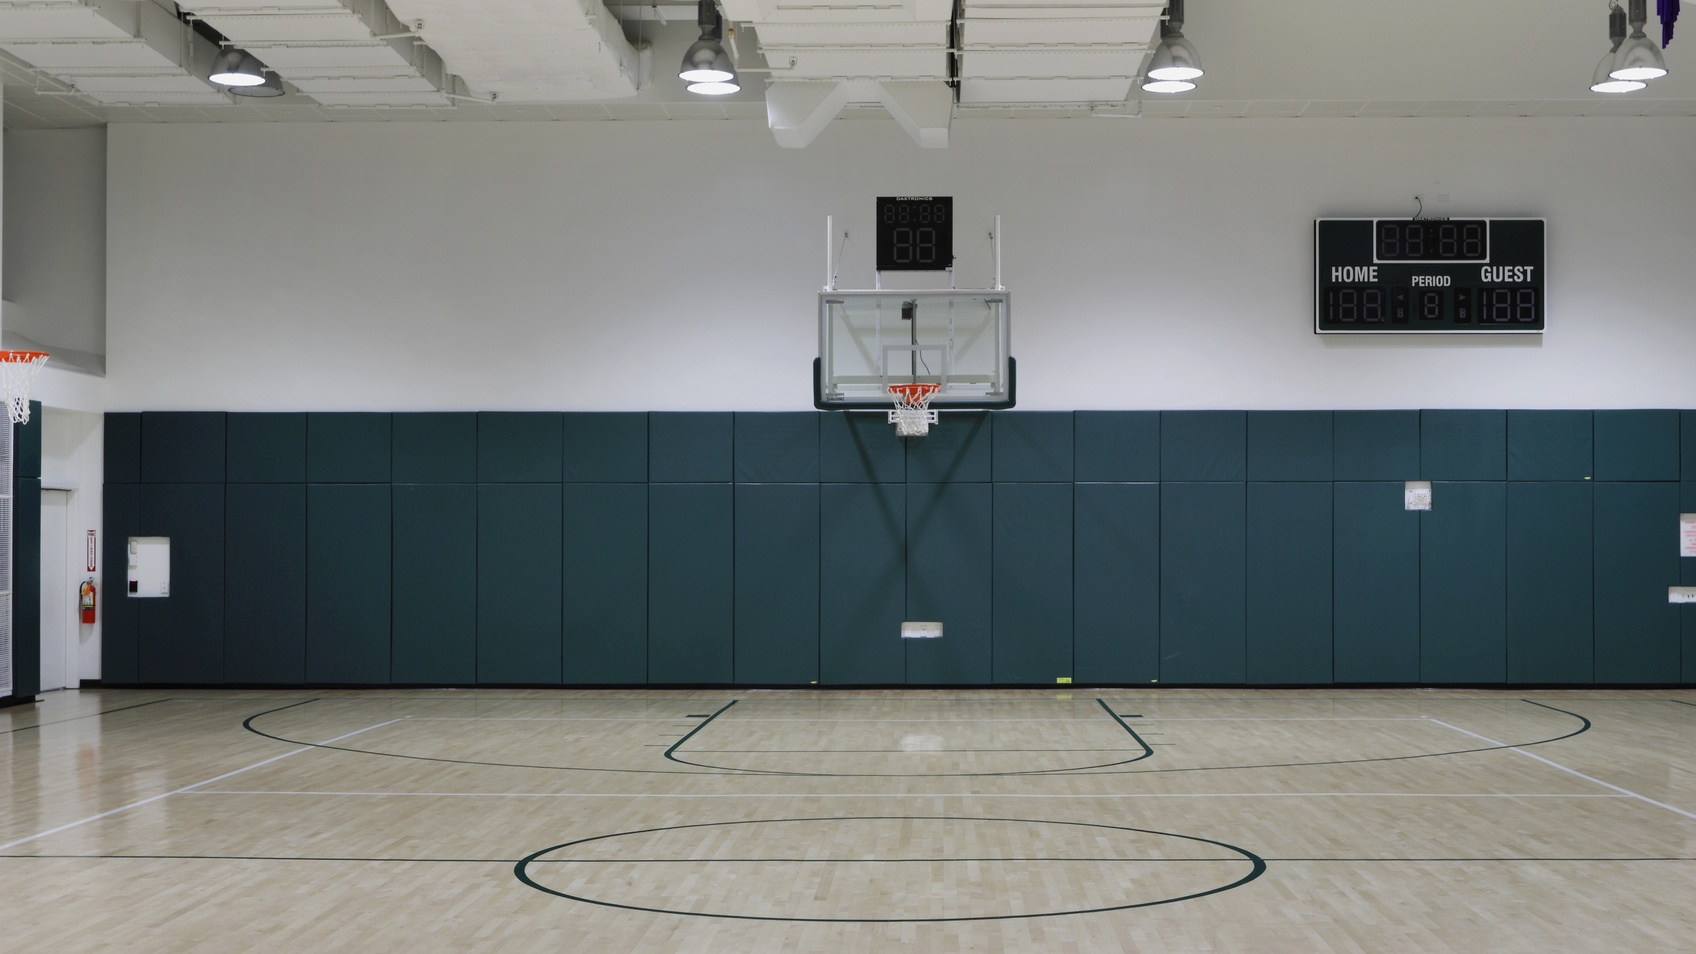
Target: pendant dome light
<point>1175,64</point>
<point>273,86</point>
<point>706,66</point>
<point>1640,57</point>
<point>1603,81</point>
<point>233,67</point>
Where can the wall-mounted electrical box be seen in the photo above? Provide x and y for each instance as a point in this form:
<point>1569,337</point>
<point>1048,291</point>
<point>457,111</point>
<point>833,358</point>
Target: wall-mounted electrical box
<point>150,566</point>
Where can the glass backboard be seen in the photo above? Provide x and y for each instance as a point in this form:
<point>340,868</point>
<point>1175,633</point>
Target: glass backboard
<point>869,340</point>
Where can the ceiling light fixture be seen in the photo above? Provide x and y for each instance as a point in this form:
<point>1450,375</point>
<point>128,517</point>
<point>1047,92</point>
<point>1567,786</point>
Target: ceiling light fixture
<point>273,86</point>
<point>1639,58</point>
<point>706,66</point>
<point>1603,81</point>
<point>1175,64</point>
<point>234,67</point>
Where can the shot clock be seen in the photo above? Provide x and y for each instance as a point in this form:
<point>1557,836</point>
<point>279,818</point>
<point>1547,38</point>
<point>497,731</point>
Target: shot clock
<point>915,233</point>
<point>1428,276</point>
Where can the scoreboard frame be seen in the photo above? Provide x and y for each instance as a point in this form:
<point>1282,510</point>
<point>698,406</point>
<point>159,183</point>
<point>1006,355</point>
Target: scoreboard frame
<point>1399,276</point>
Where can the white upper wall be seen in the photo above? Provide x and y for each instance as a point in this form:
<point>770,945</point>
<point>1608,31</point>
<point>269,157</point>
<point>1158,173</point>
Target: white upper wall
<point>674,266</point>
<point>55,222</point>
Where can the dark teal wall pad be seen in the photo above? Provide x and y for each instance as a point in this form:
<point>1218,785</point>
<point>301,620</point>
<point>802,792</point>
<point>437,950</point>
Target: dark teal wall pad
<point>785,548</point>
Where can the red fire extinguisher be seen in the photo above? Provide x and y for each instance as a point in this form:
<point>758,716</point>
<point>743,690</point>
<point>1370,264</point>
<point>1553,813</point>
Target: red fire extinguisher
<point>88,600</point>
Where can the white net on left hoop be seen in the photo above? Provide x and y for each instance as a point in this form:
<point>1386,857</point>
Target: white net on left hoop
<point>17,376</point>
<point>912,416</point>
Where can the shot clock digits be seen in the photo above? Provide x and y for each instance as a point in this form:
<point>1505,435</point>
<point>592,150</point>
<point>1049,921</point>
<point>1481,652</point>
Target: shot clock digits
<point>915,233</point>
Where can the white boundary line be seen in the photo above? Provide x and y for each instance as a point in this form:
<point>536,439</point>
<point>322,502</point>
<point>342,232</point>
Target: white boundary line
<point>1569,771</point>
<point>819,795</point>
<point>187,788</point>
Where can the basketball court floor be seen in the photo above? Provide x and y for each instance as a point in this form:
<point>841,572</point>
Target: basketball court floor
<point>1089,820</point>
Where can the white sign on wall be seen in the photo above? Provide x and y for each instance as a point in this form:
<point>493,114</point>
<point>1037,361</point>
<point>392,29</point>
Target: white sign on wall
<point>1687,534</point>
<point>1416,495</point>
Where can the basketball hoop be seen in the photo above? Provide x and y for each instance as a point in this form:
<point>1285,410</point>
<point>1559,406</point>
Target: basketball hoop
<point>912,416</point>
<point>17,373</point>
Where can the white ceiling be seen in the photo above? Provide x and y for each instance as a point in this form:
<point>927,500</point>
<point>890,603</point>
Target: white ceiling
<point>70,63</point>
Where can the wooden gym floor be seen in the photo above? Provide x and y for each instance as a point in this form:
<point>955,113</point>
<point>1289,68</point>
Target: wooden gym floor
<point>1090,820</point>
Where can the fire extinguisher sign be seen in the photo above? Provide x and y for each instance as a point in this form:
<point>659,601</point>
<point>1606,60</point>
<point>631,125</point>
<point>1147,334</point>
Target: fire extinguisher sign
<point>91,551</point>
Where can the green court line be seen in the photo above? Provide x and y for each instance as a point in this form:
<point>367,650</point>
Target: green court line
<point>1146,751</point>
<point>1584,726</point>
<point>1257,868</point>
<point>669,752</point>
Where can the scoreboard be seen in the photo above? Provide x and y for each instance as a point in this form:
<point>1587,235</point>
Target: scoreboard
<point>1428,276</point>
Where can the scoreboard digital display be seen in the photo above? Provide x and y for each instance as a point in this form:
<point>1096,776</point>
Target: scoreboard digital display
<point>915,233</point>
<point>1428,276</point>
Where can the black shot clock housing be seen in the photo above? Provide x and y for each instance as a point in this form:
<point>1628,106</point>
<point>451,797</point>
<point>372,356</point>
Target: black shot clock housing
<point>915,233</point>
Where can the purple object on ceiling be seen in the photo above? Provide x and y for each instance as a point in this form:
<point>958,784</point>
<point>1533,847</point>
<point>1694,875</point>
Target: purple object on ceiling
<point>1668,9</point>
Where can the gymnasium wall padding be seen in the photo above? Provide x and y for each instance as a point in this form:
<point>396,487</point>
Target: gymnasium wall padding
<point>777,447</point>
<point>349,448</point>
<point>26,581</point>
<point>182,447</point>
<point>1375,561</point>
<point>435,448</point>
<point>434,638</point>
<point>1463,584</point>
<point>949,540</point>
<point>860,449</point>
<point>1116,582</point>
<point>1687,566</point>
<point>691,448</point>
<point>520,579</point>
<point>1033,447</point>
<point>862,582</point>
<point>691,580</point>
<point>1290,445</point>
<point>1463,445</point>
<point>606,448</point>
<point>265,584</point>
<point>1551,599</point>
<point>120,619</point>
<point>1116,446</point>
<point>181,637</point>
<point>780,548</point>
<point>1637,445</point>
<point>777,584</point>
<point>349,529</point>
<point>26,555</point>
<point>1031,609</point>
<point>1288,595</point>
<point>1551,445</point>
<point>962,453</point>
<point>520,447</point>
<point>1203,581</point>
<point>265,448</point>
<point>1203,446</point>
<point>122,448</point>
<point>1637,630</point>
<point>605,583</point>
<point>1375,445</point>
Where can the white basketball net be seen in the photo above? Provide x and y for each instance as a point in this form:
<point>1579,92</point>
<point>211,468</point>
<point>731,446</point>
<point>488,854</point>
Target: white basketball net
<point>17,375</point>
<point>912,416</point>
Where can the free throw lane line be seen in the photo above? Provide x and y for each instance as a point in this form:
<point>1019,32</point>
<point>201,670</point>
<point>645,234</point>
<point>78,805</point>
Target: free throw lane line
<point>1569,771</point>
<point>148,801</point>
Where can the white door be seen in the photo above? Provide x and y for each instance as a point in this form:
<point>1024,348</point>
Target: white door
<point>58,598</point>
